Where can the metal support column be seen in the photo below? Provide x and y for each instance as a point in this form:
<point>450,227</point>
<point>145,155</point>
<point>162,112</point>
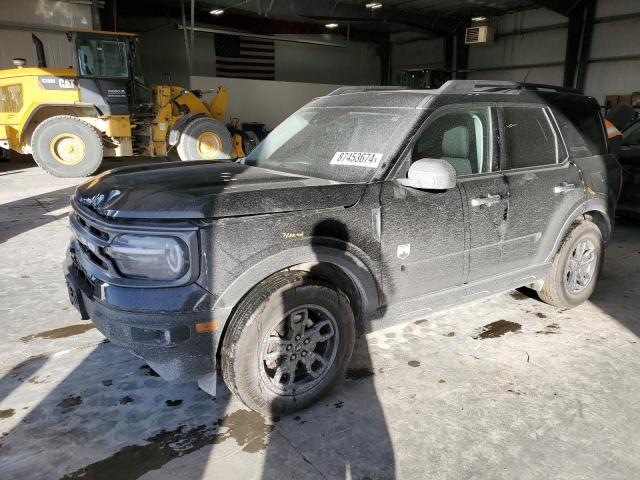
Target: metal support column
<point>579,35</point>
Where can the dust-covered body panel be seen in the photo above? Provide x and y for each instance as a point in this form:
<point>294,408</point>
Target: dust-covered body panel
<point>331,192</point>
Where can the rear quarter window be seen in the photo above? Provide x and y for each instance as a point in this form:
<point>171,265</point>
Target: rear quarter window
<point>583,131</point>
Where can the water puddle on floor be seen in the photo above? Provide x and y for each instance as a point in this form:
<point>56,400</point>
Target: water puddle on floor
<point>63,332</point>
<point>9,412</point>
<point>551,329</point>
<point>497,329</point>
<point>70,403</point>
<point>249,430</point>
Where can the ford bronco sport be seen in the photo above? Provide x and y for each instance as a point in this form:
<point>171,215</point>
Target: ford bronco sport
<point>367,207</point>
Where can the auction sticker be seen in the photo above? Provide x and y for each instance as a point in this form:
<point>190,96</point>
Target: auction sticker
<point>357,159</point>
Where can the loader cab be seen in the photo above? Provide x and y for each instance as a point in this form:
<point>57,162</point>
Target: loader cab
<point>108,71</point>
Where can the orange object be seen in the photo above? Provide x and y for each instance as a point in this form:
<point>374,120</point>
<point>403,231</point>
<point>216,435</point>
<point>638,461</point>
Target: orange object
<point>612,131</point>
<point>206,327</point>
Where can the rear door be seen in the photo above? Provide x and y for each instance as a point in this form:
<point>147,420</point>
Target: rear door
<point>544,187</point>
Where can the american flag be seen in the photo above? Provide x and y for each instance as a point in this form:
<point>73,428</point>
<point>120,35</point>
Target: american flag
<point>243,57</point>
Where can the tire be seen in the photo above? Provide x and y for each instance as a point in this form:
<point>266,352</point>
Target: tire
<point>249,365</point>
<point>204,138</point>
<point>66,146</point>
<point>249,141</point>
<point>558,285</point>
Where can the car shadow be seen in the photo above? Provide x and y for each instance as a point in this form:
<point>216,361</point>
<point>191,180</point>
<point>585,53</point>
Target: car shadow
<point>345,435</point>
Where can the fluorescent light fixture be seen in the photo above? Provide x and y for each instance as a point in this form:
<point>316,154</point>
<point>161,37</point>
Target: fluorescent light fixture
<point>478,19</point>
<point>217,11</point>
<point>373,5</point>
<point>331,25</point>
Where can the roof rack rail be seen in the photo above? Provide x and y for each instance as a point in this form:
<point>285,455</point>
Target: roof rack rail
<point>476,86</point>
<point>364,88</point>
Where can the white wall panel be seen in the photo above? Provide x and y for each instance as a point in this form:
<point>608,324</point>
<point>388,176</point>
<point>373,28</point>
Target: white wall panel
<point>263,101</point>
<point>616,38</point>
<point>18,44</point>
<point>526,49</point>
<point>619,78</point>
<point>546,75</point>
<point>607,8</point>
<point>46,12</point>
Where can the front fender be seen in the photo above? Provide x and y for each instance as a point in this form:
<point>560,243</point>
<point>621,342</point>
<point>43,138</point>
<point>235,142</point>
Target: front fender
<point>357,271</point>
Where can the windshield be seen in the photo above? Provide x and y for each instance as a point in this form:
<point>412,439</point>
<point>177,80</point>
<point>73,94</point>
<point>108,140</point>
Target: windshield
<point>344,144</point>
<point>102,58</point>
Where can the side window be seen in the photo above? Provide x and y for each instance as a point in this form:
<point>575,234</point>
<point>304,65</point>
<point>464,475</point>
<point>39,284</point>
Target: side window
<point>531,139</point>
<point>588,123</point>
<point>631,134</point>
<point>462,136</point>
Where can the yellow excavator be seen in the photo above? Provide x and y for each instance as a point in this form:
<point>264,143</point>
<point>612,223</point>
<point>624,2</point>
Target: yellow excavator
<point>70,118</point>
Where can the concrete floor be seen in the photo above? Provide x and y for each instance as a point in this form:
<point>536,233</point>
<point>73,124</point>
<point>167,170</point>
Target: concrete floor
<point>558,397</point>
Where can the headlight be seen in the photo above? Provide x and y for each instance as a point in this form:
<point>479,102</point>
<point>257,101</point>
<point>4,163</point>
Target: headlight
<point>155,258</point>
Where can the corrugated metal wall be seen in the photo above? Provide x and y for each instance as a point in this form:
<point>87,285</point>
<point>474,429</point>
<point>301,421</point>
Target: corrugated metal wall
<point>538,57</point>
<point>41,14</point>
<point>610,39</point>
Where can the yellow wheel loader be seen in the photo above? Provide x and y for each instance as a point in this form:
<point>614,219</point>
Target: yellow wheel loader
<point>70,118</point>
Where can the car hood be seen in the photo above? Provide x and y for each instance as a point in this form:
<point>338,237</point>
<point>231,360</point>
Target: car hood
<point>193,190</point>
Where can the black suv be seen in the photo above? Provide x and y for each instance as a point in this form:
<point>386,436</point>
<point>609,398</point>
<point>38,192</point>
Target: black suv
<point>367,207</point>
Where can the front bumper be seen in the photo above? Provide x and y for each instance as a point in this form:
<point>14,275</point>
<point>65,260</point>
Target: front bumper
<point>156,324</point>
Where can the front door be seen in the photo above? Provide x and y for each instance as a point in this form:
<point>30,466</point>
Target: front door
<point>422,241</point>
<point>425,234</point>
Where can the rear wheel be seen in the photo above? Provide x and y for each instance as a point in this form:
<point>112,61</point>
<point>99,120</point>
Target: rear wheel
<point>576,267</point>
<point>204,138</point>
<point>288,344</point>
<point>66,146</point>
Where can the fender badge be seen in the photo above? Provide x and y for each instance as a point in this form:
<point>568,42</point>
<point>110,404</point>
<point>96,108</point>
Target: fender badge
<point>404,251</point>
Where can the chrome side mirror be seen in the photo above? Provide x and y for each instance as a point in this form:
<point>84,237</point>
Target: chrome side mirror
<point>430,174</point>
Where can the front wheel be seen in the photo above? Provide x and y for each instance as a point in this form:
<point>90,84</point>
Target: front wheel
<point>204,138</point>
<point>288,344</point>
<point>576,267</point>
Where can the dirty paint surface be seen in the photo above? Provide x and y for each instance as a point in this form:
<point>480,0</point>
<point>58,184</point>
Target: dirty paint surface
<point>574,392</point>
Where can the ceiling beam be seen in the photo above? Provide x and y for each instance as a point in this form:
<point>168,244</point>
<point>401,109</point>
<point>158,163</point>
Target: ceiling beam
<point>563,7</point>
<point>349,12</point>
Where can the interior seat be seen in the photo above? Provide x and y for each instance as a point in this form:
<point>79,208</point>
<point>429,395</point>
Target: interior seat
<point>455,149</point>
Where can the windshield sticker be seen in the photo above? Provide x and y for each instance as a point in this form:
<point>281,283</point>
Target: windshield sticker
<point>357,159</point>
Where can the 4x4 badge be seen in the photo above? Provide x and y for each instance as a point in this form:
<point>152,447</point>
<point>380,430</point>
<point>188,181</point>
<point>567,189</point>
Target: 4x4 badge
<point>404,251</point>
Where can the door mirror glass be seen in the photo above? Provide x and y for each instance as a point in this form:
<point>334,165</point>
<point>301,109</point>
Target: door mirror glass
<point>430,174</point>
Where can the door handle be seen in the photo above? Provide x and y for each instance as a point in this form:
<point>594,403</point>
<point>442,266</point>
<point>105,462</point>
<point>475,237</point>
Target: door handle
<point>488,200</point>
<point>564,187</point>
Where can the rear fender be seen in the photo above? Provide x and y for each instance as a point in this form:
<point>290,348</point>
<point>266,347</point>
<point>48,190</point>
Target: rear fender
<point>603,219</point>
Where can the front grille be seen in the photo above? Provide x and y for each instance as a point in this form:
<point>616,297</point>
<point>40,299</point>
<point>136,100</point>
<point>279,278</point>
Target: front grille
<point>91,239</point>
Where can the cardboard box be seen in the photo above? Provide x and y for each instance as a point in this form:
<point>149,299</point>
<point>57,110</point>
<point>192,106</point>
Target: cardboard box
<point>611,100</point>
<point>624,99</point>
